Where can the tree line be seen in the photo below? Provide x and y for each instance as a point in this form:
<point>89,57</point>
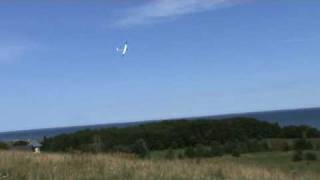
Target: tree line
<point>234,135</point>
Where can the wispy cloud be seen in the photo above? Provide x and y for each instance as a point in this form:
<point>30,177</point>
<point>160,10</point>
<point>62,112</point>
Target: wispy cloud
<point>156,10</point>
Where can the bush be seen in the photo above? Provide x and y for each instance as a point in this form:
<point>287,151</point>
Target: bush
<point>265,146</point>
<point>311,156</point>
<point>122,148</point>
<point>181,156</point>
<point>216,150</point>
<point>140,148</point>
<point>286,147</point>
<point>235,148</point>
<point>297,156</point>
<point>253,146</point>
<point>243,147</point>
<point>3,146</point>
<point>170,154</point>
<point>202,151</point>
<point>302,144</point>
<point>199,151</point>
<point>229,147</point>
<point>236,153</point>
<point>190,152</point>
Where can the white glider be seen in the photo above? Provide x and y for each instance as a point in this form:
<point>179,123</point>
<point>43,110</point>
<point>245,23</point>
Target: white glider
<point>123,50</point>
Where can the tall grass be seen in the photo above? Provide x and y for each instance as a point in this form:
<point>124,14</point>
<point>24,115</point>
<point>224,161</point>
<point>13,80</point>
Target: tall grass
<point>29,166</point>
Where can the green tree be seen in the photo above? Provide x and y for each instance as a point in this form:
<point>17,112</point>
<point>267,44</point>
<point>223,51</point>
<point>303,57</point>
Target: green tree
<point>179,134</point>
<point>140,148</point>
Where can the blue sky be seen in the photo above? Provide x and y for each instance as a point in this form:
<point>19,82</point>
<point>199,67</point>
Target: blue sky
<point>59,67</point>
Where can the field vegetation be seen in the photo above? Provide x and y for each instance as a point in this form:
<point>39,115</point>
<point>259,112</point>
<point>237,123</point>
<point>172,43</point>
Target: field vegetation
<point>16,165</point>
<point>202,149</point>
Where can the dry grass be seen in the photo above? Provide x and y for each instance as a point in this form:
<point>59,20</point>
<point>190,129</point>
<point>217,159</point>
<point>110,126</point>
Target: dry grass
<point>29,166</point>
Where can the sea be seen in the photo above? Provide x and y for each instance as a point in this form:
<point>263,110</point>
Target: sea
<point>306,116</point>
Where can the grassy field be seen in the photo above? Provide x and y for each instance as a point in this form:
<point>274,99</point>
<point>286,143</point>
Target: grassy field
<point>260,166</point>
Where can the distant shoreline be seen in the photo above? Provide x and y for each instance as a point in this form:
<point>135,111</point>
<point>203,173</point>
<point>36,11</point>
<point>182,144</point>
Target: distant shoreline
<point>307,116</point>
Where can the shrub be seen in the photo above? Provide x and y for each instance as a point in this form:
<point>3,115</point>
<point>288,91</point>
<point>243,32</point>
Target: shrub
<point>229,147</point>
<point>236,153</point>
<point>181,155</point>
<point>286,147</point>
<point>311,156</point>
<point>197,152</point>
<point>190,152</point>
<point>297,156</point>
<point>302,144</point>
<point>265,146</point>
<point>170,154</point>
<point>243,147</point>
<point>122,148</point>
<point>3,146</point>
<point>202,151</point>
<point>216,150</point>
<point>235,148</point>
<point>140,148</point>
<point>253,146</point>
